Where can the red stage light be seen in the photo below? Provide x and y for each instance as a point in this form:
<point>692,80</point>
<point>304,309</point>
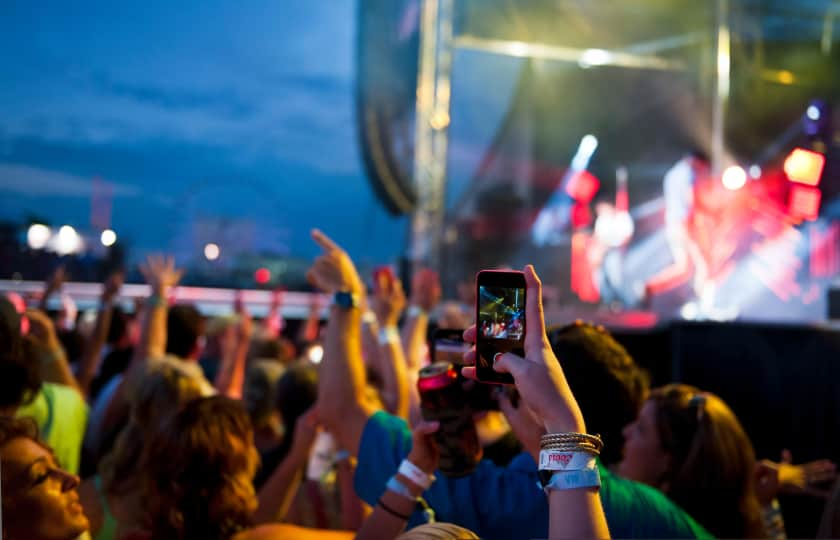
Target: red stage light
<point>804,166</point>
<point>262,276</point>
<point>804,202</point>
<point>583,186</point>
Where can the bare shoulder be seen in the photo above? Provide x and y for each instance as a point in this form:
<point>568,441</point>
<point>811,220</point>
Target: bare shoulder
<point>283,531</point>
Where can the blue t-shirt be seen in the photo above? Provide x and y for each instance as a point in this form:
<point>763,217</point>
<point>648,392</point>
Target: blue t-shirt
<point>505,502</point>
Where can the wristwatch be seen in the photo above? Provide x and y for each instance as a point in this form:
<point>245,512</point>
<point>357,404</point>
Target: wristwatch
<point>346,300</point>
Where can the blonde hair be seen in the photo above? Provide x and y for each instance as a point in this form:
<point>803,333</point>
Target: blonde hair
<point>438,531</point>
<point>161,391</point>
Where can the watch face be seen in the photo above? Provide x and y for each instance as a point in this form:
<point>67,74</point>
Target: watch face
<point>345,300</point>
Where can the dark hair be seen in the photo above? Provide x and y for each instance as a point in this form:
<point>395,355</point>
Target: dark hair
<point>14,428</point>
<point>296,392</point>
<point>712,461</point>
<point>608,385</point>
<point>184,325</point>
<point>193,472</point>
<point>20,376</point>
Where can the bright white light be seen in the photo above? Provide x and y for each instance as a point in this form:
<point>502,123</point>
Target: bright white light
<point>518,48</point>
<point>734,178</point>
<point>212,251</point>
<point>813,112</point>
<point>595,57</point>
<point>690,311</point>
<point>587,147</point>
<point>614,228</point>
<point>108,238</point>
<point>68,241</point>
<point>755,171</point>
<point>38,235</point>
<point>316,354</point>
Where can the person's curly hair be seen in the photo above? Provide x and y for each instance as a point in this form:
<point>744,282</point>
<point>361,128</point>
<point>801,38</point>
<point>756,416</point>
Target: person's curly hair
<point>159,392</point>
<point>198,469</point>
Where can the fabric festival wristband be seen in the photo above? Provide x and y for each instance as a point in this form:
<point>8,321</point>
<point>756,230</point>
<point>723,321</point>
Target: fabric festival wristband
<point>399,488</point>
<point>389,334</point>
<point>556,460</point>
<point>415,311</point>
<point>585,478</point>
<point>156,301</point>
<point>415,474</point>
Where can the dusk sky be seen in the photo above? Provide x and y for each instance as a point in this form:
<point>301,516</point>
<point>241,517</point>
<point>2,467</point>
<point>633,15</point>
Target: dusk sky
<point>192,112</point>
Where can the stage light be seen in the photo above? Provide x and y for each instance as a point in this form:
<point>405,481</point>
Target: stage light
<point>595,57</point>
<point>108,238</point>
<point>804,166</point>
<point>212,251</point>
<point>315,354</point>
<point>68,241</point>
<point>813,112</point>
<point>38,235</point>
<point>262,276</point>
<point>734,178</point>
<point>755,171</point>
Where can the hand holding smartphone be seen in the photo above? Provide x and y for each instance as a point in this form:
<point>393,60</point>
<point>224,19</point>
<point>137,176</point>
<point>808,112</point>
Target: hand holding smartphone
<point>500,321</point>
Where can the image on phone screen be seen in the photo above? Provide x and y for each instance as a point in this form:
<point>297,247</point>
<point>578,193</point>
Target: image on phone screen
<point>500,321</point>
<point>501,313</point>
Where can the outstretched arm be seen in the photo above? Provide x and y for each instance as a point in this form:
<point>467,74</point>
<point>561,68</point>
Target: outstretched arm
<point>542,385</point>
<point>231,375</point>
<point>388,304</point>
<point>341,403</point>
<point>94,345</point>
<point>54,365</point>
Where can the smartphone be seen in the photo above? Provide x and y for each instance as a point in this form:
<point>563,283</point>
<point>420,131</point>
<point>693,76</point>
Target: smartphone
<point>500,321</point>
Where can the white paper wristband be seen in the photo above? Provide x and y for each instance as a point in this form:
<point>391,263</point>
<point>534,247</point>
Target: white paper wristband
<point>558,460</point>
<point>415,474</point>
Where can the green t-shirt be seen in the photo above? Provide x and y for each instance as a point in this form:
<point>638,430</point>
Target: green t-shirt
<point>506,502</point>
<point>61,414</point>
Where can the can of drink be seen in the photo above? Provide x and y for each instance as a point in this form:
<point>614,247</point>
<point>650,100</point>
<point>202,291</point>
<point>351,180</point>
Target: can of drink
<point>442,398</point>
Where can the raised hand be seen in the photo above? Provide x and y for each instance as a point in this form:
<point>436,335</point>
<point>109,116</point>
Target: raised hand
<point>160,273</point>
<point>388,300</point>
<point>56,280</point>
<point>42,329</point>
<point>245,327</point>
<point>805,478</point>
<point>333,271</point>
<point>306,429</point>
<point>425,289</point>
<point>424,450</point>
<point>539,377</point>
<point>111,287</point>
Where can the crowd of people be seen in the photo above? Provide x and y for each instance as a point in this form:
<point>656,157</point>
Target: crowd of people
<point>162,424</point>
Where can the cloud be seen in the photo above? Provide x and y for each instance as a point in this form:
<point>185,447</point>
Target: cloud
<point>34,181</point>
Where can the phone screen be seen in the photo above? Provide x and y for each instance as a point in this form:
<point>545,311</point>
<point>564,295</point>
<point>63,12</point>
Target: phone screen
<point>500,320</point>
